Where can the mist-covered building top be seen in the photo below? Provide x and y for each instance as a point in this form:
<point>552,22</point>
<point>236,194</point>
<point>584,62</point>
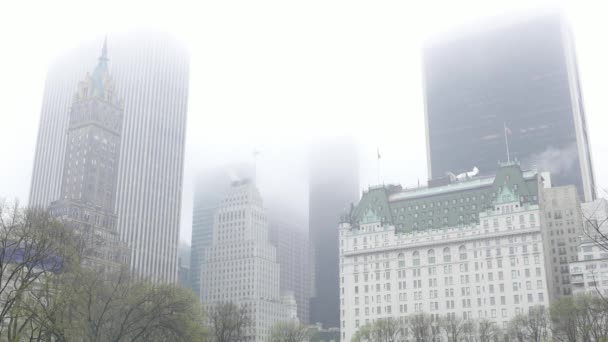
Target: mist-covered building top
<point>520,73</point>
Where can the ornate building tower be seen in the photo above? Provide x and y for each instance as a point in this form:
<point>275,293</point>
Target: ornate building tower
<point>151,73</point>
<point>88,185</point>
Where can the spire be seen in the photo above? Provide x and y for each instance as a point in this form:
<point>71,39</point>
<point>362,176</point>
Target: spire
<point>101,71</point>
<point>104,50</point>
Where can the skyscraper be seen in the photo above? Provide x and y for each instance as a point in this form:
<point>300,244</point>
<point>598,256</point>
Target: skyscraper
<point>290,239</point>
<point>151,75</point>
<point>241,266</point>
<point>210,188</point>
<point>88,185</point>
<point>517,78</point>
<point>562,231</point>
<point>334,185</point>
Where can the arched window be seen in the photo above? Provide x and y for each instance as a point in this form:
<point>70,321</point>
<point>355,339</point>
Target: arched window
<point>463,252</point>
<point>401,259</point>
<point>416,258</point>
<point>447,255</point>
<point>431,256</point>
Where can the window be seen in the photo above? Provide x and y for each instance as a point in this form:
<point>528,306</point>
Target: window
<point>447,256</point>
<point>401,260</point>
<point>416,258</point>
<point>431,256</point>
<point>462,250</point>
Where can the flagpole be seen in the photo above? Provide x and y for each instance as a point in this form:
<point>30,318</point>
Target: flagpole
<point>378,163</point>
<point>255,166</point>
<point>506,142</point>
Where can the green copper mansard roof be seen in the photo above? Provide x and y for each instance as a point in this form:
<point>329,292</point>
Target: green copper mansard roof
<point>454,204</point>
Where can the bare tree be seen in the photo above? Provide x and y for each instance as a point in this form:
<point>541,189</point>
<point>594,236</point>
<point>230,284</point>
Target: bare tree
<point>596,231</point>
<point>599,327</point>
<point>454,327</point>
<point>228,322</point>
<point>289,331</point>
<point>563,321</point>
<point>420,325</point>
<point>516,329</point>
<point>596,226</point>
<point>363,334</point>
<point>120,309</point>
<point>583,314</point>
<point>485,331</point>
<point>91,306</point>
<point>579,318</point>
<point>33,246</point>
<point>537,324</point>
<point>381,330</point>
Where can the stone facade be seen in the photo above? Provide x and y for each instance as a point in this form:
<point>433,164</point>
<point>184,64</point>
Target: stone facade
<point>486,262</point>
<point>589,274</point>
<point>240,265</point>
<point>88,187</point>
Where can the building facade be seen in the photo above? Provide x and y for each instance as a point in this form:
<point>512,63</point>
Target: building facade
<point>183,265</point>
<point>595,215</point>
<point>88,185</point>
<point>211,187</point>
<point>562,231</point>
<point>589,274</point>
<point>468,248</point>
<point>293,255</point>
<point>151,74</point>
<point>334,184</point>
<point>520,73</point>
<point>240,265</point>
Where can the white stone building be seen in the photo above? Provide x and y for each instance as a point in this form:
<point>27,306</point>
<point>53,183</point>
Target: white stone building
<point>595,215</point>
<point>469,248</point>
<point>241,267</point>
<point>590,273</point>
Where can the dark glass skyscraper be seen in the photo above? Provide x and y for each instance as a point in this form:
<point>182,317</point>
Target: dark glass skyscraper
<point>334,185</point>
<point>290,238</point>
<point>521,74</point>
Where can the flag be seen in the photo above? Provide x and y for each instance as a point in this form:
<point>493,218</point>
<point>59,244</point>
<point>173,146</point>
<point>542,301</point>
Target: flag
<point>508,130</point>
<point>379,154</point>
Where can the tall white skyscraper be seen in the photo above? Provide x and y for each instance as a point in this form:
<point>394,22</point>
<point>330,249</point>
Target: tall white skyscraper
<point>151,75</point>
<point>240,265</point>
<point>211,187</point>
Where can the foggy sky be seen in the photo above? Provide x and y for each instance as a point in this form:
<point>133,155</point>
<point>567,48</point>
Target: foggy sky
<point>274,76</point>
